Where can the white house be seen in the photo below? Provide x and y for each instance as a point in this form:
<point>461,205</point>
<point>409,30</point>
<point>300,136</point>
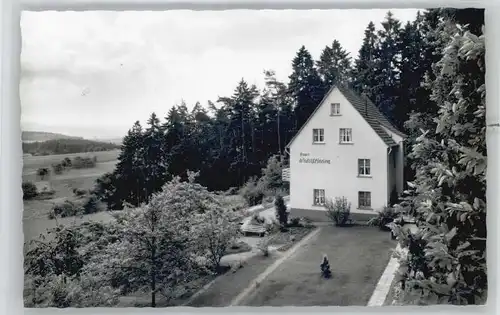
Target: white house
<point>346,148</point>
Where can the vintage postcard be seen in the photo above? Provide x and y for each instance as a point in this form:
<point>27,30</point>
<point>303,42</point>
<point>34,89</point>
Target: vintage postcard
<point>254,158</point>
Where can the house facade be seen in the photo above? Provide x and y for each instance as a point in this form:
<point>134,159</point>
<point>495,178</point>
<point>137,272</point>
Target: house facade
<point>346,148</point>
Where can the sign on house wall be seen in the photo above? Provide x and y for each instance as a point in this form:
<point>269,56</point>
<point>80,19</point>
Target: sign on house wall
<point>305,158</point>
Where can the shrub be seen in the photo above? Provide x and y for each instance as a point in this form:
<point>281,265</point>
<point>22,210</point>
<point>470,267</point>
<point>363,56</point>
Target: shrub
<point>238,247</point>
<point>66,209</point>
<point>338,212</point>
<point>93,205</point>
<point>263,245</point>
<point>281,211</point>
<point>45,194</point>
<point>29,190</point>
<point>43,173</point>
<point>58,168</point>
<point>257,219</point>
<point>384,217</point>
<point>252,192</point>
<point>272,227</point>
<point>66,162</point>
<point>271,175</point>
<point>84,162</point>
<point>295,222</point>
<point>79,192</point>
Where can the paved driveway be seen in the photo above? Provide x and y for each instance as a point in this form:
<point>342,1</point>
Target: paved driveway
<point>358,256</point>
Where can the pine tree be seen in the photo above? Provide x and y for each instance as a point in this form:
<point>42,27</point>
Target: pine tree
<point>446,262</point>
<point>130,185</point>
<point>412,72</point>
<point>240,109</point>
<point>305,86</point>
<point>155,162</point>
<point>334,65</point>
<point>366,65</point>
<point>387,74</point>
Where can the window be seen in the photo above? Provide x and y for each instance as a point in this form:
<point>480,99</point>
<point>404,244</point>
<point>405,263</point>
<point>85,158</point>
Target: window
<point>335,109</point>
<point>319,197</point>
<point>345,135</point>
<point>318,135</point>
<point>364,167</point>
<point>364,199</point>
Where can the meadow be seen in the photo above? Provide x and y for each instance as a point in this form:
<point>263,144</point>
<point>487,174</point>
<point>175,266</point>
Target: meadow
<point>35,214</point>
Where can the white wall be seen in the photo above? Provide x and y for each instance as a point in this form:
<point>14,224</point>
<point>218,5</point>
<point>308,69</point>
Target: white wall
<point>399,171</point>
<point>340,177</point>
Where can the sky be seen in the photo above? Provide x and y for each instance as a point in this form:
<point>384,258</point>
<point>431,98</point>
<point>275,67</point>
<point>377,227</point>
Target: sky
<point>94,73</point>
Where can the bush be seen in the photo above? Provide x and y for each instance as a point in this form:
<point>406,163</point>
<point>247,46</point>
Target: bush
<point>384,217</point>
<point>238,247</point>
<point>295,222</point>
<point>84,162</point>
<point>45,194</point>
<point>252,192</point>
<point>79,192</point>
<point>66,209</point>
<point>338,212</point>
<point>272,227</point>
<point>271,179</point>
<point>93,205</point>
<point>256,219</point>
<point>29,190</point>
<point>66,162</point>
<point>263,245</point>
<point>58,168</point>
<point>43,173</point>
<point>281,211</point>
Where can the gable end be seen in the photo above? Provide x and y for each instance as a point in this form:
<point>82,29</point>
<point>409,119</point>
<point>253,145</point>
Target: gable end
<point>368,111</point>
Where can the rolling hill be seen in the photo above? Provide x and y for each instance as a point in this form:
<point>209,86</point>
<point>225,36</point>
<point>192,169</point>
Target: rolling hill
<point>39,136</point>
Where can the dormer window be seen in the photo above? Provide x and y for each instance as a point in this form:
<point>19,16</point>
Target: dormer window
<point>334,109</point>
<point>318,135</point>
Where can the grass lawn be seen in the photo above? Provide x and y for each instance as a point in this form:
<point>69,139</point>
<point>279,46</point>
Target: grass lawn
<point>358,256</point>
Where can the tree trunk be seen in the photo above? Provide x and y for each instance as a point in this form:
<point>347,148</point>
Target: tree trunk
<point>153,275</point>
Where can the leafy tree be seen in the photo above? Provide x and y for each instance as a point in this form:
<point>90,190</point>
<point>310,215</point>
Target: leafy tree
<point>218,231</point>
<point>159,242</point>
<point>447,257</point>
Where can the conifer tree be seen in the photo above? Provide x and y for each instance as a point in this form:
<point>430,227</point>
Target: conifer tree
<point>387,74</point>
<point>305,86</point>
<point>366,65</point>
<point>334,65</point>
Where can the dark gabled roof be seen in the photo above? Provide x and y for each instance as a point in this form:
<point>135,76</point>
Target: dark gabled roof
<point>367,110</point>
